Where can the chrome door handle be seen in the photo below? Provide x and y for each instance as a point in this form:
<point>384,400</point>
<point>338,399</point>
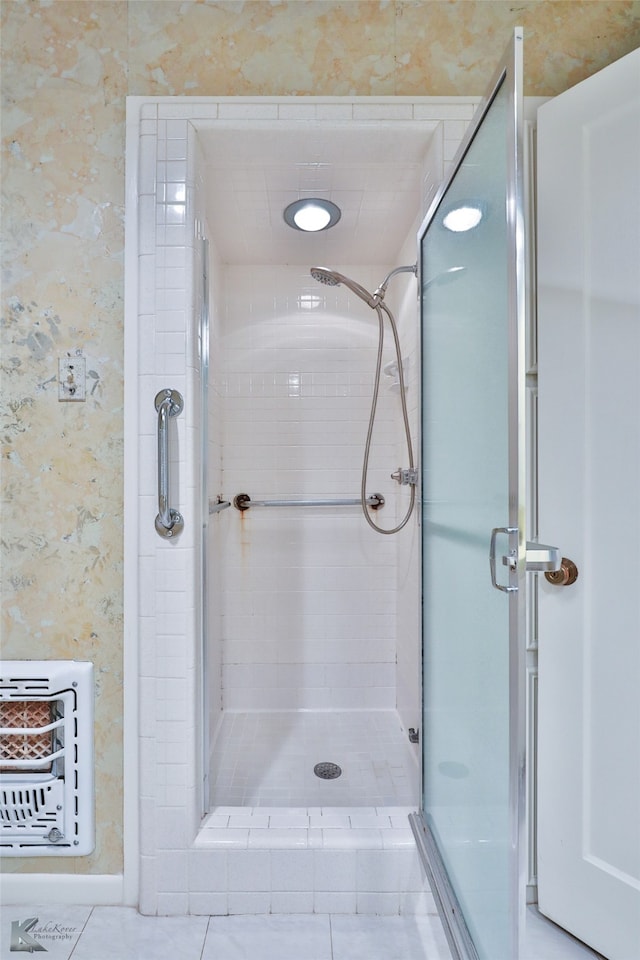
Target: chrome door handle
<point>169,523</point>
<point>539,557</point>
<point>510,561</point>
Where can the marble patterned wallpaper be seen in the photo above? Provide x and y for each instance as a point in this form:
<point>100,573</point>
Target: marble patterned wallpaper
<point>67,66</point>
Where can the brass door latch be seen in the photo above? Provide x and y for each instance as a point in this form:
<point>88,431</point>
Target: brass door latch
<point>565,576</point>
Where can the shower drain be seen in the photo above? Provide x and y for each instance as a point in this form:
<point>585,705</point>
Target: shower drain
<point>327,771</point>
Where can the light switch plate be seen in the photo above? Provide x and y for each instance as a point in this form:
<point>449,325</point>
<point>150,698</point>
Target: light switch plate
<point>72,378</point>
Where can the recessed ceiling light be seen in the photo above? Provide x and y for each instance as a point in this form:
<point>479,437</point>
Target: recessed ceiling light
<point>312,214</point>
<point>464,216</point>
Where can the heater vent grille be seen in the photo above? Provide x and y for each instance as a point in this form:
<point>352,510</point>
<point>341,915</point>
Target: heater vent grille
<point>24,716</point>
<point>46,758</point>
<point>32,809</point>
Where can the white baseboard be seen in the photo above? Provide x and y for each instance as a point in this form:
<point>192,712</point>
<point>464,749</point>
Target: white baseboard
<point>103,890</point>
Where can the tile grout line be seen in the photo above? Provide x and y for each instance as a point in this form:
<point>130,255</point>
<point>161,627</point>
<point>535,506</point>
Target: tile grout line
<point>204,942</point>
<point>84,927</point>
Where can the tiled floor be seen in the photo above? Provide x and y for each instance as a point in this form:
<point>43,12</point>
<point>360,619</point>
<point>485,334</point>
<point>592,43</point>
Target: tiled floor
<point>267,759</point>
<point>119,933</point>
<point>545,941</point>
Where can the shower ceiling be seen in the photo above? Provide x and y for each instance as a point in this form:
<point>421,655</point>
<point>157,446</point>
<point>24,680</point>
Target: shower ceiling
<point>372,171</point>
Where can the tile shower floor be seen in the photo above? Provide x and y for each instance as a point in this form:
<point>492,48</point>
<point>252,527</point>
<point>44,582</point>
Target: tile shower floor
<point>120,933</point>
<point>265,759</point>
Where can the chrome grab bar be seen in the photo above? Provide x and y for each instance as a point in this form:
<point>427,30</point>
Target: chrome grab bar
<point>169,523</point>
<point>242,501</point>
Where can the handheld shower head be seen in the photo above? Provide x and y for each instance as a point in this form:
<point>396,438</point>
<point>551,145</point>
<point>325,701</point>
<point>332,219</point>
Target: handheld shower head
<point>334,279</point>
<point>323,275</point>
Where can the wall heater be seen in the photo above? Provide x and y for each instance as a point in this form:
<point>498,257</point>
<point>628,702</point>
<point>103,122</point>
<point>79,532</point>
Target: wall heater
<point>46,758</point>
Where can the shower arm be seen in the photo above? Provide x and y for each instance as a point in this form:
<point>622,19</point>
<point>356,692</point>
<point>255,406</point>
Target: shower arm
<point>380,292</point>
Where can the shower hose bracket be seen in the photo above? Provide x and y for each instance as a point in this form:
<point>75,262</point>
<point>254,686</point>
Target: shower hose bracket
<point>405,476</point>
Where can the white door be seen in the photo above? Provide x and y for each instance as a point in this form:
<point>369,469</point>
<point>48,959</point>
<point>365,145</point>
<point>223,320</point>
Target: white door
<point>589,505</point>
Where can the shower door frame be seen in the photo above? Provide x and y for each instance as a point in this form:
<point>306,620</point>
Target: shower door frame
<point>510,72</point>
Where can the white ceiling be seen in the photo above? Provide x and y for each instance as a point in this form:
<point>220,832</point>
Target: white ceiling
<point>373,172</point>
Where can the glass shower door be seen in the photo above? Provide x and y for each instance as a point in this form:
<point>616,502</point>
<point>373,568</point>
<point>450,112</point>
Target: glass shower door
<point>471,263</point>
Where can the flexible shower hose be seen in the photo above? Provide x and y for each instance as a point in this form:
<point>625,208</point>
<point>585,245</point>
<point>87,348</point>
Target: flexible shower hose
<point>379,307</point>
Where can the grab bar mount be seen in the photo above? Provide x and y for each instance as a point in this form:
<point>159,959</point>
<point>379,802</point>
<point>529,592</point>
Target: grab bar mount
<point>216,506</point>
<point>168,403</point>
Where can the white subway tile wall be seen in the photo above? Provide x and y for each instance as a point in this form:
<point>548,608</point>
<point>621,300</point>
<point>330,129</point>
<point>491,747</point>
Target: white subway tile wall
<point>309,617</point>
<point>310,592</point>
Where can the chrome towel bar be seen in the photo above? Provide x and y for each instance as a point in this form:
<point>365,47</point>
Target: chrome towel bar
<point>242,501</point>
<point>169,523</point>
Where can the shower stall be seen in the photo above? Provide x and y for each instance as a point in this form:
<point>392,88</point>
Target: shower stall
<point>310,626</point>
<point>280,634</point>
<point>277,634</point>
